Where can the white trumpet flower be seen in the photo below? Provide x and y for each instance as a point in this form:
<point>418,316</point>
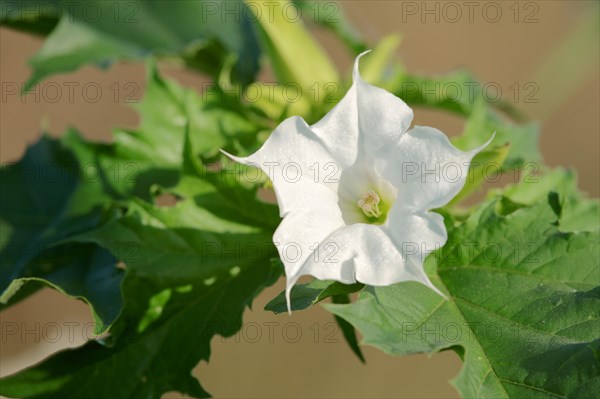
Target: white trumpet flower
<point>355,190</point>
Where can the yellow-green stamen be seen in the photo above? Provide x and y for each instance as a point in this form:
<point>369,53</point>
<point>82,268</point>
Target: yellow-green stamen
<point>369,203</point>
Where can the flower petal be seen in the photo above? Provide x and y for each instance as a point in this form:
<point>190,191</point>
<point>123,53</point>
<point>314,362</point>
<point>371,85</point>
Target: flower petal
<point>427,169</point>
<point>416,236</point>
<point>373,255</point>
<point>383,118</point>
<point>301,239</point>
<point>299,165</point>
<point>367,121</point>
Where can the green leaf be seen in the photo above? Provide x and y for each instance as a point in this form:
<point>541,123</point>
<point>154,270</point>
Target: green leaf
<point>580,214</point>
<point>577,212</point>
<point>65,187</point>
<point>331,16</point>
<point>228,196</point>
<point>61,188</point>
<point>191,269</point>
<point>534,187</point>
<point>348,329</point>
<point>297,59</point>
<point>486,164</point>
<point>457,91</point>
<point>84,271</point>
<point>152,153</point>
<point>380,68</point>
<point>149,357</point>
<point>34,16</point>
<point>523,139</point>
<point>306,295</point>
<point>48,200</point>
<point>523,312</point>
<point>35,202</point>
<point>138,29</point>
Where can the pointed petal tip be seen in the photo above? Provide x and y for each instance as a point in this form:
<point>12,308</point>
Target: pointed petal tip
<point>440,293</point>
<point>288,290</point>
<point>355,71</point>
<point>491,138</point>
<point>487,142</point>
<point>427,282</point>
<point>241,160</point>
<point>477,150</point>
<point>437,291</point>
<point>228,155</point>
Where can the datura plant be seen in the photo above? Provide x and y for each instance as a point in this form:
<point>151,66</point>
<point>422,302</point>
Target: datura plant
<point>368,214</point>
<point>340,187</point>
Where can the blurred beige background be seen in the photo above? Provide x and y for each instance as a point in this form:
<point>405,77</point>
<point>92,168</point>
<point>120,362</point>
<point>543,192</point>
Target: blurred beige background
<point>557,50</point>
